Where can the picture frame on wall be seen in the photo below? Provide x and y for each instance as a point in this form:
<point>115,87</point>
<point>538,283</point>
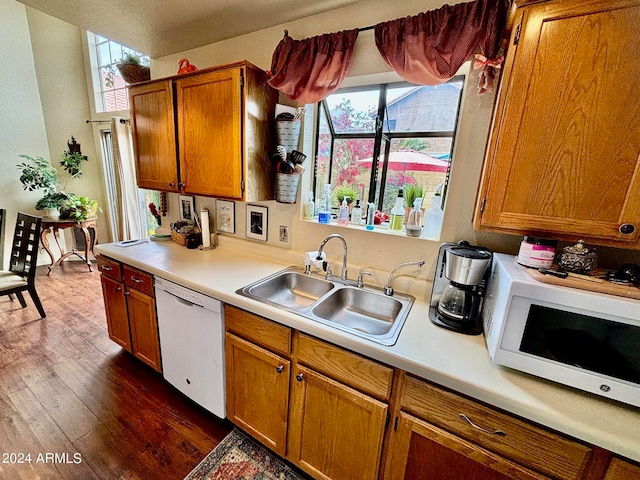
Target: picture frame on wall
<point>257,222</point>
<point>187,208</point>
<point>225,216</point>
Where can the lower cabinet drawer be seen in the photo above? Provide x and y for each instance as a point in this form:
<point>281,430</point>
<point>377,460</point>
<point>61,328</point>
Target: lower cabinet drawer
<point>522,442</point>
<point>138,280</point>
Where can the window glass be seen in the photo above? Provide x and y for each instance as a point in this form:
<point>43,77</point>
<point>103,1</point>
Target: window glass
<point>112,95</point>
<point>353,111</point>
<point>411,145</point>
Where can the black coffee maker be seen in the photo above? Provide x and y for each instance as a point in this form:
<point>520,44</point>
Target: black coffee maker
<point>459,284</point>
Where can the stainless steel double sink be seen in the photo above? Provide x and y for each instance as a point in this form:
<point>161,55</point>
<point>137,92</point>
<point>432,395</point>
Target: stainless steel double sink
<point>365,312</point>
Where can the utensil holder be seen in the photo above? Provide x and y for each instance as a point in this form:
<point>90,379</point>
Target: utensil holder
<point>288,134</point>
<point>287,187</point>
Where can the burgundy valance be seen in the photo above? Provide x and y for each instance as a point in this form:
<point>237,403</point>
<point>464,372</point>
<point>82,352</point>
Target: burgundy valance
<point>429,48</point>
<point>311,69</point>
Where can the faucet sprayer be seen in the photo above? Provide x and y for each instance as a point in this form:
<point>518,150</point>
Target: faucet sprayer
<point>387,289</point>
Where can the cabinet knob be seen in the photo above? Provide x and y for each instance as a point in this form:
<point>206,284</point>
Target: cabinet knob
<point>172,184</point>
<point>280,368</point>
<point>117,289</point>
<point>500,433</point>
<point>299,377</point>
<point>181,185</point>
<point>627,229</point>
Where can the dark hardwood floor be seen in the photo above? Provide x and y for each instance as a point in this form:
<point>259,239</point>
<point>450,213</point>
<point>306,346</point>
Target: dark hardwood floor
<point>67,390</point>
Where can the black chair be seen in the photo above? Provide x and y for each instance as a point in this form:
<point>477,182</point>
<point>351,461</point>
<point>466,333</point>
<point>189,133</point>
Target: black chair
<point>21,274</point>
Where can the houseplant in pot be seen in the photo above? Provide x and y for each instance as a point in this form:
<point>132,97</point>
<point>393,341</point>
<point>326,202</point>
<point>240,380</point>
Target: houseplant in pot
<point>346,191</point>
<point>38,173</point>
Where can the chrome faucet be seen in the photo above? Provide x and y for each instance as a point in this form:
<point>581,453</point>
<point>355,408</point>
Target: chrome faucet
<point>344,258</point>
<point>387,289</point>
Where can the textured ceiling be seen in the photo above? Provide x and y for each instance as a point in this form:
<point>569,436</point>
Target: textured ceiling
<point>163,27</point>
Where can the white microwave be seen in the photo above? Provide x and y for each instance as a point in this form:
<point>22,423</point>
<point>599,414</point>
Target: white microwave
<point>582,339</point>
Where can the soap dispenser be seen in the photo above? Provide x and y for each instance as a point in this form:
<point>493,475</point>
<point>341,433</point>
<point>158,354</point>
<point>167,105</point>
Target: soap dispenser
<point>356,214</point>
<point>397,213</point>
<point>414,222</point>
<point>309,207</point>
<point>343,214</point>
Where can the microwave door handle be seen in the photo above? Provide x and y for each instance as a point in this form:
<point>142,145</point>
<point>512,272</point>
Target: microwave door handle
<point>500,433</point>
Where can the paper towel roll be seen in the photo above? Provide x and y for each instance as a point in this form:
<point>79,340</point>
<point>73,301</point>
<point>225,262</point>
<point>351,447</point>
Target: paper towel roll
<point>204,226</point>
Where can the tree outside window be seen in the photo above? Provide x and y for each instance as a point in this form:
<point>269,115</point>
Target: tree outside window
<point>379,138</point>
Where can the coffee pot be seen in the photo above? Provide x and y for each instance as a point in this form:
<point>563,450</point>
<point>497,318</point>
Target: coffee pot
<point>462,273</point>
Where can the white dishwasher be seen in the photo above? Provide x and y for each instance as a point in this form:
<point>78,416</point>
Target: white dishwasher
<point>191,329</point>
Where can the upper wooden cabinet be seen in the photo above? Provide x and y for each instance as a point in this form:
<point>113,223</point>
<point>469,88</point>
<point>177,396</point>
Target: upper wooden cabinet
<point>208,133</point>
<point>563,158</point>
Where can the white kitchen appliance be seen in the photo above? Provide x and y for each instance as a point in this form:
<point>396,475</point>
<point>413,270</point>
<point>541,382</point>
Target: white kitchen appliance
<point>191,328</point>
<point>579,338</point>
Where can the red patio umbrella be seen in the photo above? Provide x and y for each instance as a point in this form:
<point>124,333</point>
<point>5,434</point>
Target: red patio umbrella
<point>410,160</point>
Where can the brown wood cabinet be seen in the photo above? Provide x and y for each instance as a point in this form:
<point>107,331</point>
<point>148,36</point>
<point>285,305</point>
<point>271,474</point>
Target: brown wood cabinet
<point>208,133</point>
<point>131,310</point>
<point>478,441</point>
<point>622,470</point>
<point>563,158</point>
<point>307,400</point>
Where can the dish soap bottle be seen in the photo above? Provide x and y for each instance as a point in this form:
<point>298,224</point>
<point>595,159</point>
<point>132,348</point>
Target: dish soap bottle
<point>397,213</point>
<point>414,222</point>
<point>433,218</point>
<point>356,214</point>
<point>343,214</point>
<point>324,211</point>
<point>309,207</point>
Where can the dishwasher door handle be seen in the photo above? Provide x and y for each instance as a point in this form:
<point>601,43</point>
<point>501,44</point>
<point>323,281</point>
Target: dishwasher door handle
<point>186,303</point>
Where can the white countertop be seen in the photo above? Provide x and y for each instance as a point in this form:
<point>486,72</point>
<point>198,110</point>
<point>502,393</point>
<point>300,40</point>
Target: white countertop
<point>453,360</point>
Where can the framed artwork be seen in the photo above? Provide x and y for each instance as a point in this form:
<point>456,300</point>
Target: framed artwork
<point>225,216</point>
<point>257,222</point>
<point>187,208</point>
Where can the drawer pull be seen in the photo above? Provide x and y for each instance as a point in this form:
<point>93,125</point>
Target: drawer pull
<point>134,279</point>
<point>117,289</point>
<point>280,369</point>
<point>108,269</point>
<point>490,432</point>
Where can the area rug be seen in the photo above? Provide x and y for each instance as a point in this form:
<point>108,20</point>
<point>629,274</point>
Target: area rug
<point>238,457</point>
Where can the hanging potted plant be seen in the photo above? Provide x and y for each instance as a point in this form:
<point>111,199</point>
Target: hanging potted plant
<point>133,68</point>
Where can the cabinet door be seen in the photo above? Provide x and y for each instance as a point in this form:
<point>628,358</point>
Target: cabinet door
<point>209,109</point>
<point>421,451</point>
<point>144,328</point>
<point>257,391</point>
<point>335,432</point>
<point>115,305</point>
<point>154,139</point>
<point>564,153</point>
<point>621,470</point>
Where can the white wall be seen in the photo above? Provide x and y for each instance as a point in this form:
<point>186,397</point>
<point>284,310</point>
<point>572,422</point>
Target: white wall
<point>22,125</point>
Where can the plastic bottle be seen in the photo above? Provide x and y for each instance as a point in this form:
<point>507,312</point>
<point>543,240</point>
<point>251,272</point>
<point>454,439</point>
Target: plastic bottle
<point>433,218</point>
<point>356,214</point>
<point>371,211</point>
<point>397,213</point>
<point>413,228</point>
<point>343,214</point>
<point>309,207</point>
<point>324,210</point>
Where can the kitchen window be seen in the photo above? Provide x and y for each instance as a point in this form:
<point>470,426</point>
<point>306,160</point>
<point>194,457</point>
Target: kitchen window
<point>109,87</point>
<point>372,140</point>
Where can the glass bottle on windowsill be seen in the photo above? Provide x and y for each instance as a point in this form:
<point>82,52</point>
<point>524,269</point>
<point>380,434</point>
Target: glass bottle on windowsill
<point>433,218</point>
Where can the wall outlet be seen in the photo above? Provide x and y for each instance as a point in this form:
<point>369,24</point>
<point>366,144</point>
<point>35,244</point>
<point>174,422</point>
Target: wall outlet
<point>284,233</point>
